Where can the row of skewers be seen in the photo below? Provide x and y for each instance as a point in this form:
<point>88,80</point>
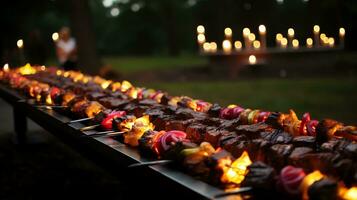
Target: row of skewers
<point>275,151</point>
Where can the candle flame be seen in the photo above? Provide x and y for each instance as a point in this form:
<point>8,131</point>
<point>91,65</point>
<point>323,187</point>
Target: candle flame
<point>228,32</point>
<point>206,47</point>
<point>316,29</point>
<point>213,47</point>
<point>309,42</point>
<point>291,32</point>
<point>238,45</point>
<point>284,42</point>
<point>295,43</point>
<point>342,31</point>
<point>227,46</point>
<point>252,59</point>
<point>251,37</point>
<point>246,32</point>
<point>20,43</point>
<point>256,44</point>
<point>6,68</point>
<point>55,36</point>
<point>201,38</point>
<point>262,28</point>
<point>331,41</point>
<point>200,29</point>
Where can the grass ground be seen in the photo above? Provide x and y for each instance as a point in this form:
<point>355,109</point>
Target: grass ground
<point>128,65</point>
<point>322,97</point>
<point>334,98</point>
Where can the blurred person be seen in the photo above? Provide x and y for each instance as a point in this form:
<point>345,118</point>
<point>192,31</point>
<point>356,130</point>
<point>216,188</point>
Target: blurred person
<point>66,49</point>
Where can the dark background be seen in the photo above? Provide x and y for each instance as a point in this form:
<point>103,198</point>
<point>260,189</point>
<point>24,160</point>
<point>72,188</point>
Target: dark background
<point>162,27</point>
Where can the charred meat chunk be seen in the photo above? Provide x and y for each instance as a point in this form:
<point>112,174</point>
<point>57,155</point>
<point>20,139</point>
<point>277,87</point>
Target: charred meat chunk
<point>324,189</point>
<point>177,125</point>
<point>278,155</point>
<point>230,125</point>
<point>260,176</point>
<point>297,154</point>
<point>95,95</point>
<point>213,134</point>
<point>195,132</point>
<point>184,113</point>
<point>325,130</point>
<point>214,110</point>
<point>113,103</point>
<point>252,131</point>
<point>277,137</point>
<point>273,120</point>
<point>304,141</point>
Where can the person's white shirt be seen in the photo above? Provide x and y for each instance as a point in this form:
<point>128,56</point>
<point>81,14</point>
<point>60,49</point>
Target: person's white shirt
<point>67,46</point>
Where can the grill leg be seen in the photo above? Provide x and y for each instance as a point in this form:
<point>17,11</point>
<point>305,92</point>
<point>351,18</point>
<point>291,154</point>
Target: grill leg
<point>20,125</point>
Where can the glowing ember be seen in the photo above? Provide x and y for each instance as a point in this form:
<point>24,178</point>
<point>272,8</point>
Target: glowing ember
<point>116,86</point>
<point>133,93</point>
<point>93,109</point>
<point>235,172</point>
<point>105,84</point>
<point>309,180</point>
<point>139,127</point>
<point>349,194</point>
<point>78,77</point>
<point>49,100</point>
<point>27,69</point>
<point>125,85</point>
<point>231,106</point>
<point>174,100</point>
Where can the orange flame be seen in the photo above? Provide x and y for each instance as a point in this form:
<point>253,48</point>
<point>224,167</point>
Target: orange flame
<point>192,104</point>
<point>348,194</point>
<point>174,100</point>
<point>49,100</point>
<point>116,86</point>
<point>138,128</point>
<point>125,85</point>
<point>93,109</point>
<point>235,172</point>
<point>309,180</point>
<point>133,93</point>
<point>105,84</point>
<point>27,69</point>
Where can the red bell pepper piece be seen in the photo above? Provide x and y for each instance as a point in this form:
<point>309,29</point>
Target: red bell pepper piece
<point>107,122</point>
<point>305,119</point>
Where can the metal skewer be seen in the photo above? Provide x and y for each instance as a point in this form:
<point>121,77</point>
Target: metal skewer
<point>49,106</point>
<point>150,163</point>
<point>88,128</point>
<point>79,120</point>
<point>105,132</point>
<point>234,192</point>
<point>100,134</point>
